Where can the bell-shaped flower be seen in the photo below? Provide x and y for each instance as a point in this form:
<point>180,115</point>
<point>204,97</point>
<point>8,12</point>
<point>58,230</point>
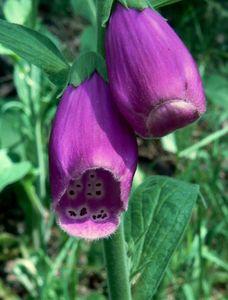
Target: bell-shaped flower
<point>153,77</point>
<point>92,160</point>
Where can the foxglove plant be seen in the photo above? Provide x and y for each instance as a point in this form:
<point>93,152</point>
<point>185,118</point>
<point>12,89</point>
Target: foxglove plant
<point>93,157</point>
<point>153,77</point>
<point>92,149</point>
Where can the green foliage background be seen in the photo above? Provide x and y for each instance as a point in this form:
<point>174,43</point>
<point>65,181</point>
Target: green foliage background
<point>37,260</point>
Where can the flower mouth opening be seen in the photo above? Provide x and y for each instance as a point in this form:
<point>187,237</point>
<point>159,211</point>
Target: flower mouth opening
<point>170,116</point>
<point>91,205</point>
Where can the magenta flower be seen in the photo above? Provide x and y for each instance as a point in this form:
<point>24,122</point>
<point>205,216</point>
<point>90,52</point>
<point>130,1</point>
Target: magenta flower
<point>93,157</point>
<point>153,77</point>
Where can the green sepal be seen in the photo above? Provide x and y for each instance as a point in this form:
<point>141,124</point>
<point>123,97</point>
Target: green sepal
<point>137,4</point>
<point>108,6</point>
<point>36,49</point>
<point>85,65</point>
<point>106,12</point>
<point>159,3</point>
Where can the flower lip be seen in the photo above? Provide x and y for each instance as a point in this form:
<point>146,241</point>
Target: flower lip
<point>91,205</point>
<point>170,116</point>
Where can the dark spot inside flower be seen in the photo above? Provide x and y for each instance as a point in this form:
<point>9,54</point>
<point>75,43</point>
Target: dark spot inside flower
<point>83,211</point>
<point>99,216</point>
<point>89,184</point>
<point>89,194</point>
<point>71,192</point>
<point>78,185</point>
<point>102,210</point>
<point>98,193</point>
<point>72,213</point>
<point>104,216</point>
<point>92,176</point>
<point>94,217</point>
<point>98,184</point>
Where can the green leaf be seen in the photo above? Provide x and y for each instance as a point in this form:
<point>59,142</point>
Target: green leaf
<point>158,214</point>
<point>85,9</point>
<point>85,65</point>
<point>17,11</point>
<point>36,49</point>
<point>5,51</point>
<point>11,172</point>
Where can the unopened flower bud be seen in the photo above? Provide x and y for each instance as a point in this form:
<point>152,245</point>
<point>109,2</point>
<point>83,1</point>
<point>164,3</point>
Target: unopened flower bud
<point>153,77</point>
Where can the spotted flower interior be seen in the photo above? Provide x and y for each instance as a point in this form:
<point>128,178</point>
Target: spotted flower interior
<point>91,205</point>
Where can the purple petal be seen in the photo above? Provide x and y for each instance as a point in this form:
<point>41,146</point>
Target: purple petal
<point>150,70</point>
<point>93,157</point>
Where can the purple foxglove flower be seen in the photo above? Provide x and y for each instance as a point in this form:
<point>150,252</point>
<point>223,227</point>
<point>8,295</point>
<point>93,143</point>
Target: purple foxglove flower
<point>92,158</point>
<point>153,77</point>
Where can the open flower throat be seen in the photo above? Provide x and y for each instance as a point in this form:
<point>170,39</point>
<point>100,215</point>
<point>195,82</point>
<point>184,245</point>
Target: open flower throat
<point>94,197</point>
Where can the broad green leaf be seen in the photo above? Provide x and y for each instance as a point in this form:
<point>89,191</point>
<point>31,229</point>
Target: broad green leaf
<point>17,11</point>
<point>36,49</point>
<point>85,65</point>
<point>158,214</point>
<point>85,9</point>
<point>5,51</point>
<point>11,172</point>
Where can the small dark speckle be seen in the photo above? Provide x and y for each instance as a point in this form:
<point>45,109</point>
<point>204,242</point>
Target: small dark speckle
<point>71,192</point>
<point>99,216</point>
<point>98,184</point>
<point>83,211</point>
<point>89,184</point>
<point>72,213</point>
<point>104,216</point>
<point>92,176</point>
<point>94,217</point>
<point>98,193</point>
<point>102,210</point>
<point>78,185</point>
<point>89,194</point>
<point>186,85</point>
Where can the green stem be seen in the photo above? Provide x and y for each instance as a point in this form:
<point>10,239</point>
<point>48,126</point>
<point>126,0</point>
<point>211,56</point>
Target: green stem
<point>100,28</point>
<point>116,264</point>
<point>114,247</point>
<point>40,159</point>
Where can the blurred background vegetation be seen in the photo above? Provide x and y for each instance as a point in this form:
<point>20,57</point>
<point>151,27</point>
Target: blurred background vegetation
<point>37,260</point>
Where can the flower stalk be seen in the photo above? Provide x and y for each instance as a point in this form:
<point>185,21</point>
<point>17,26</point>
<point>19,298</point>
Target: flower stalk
<point>113,247</point>
<point>116,265</point>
